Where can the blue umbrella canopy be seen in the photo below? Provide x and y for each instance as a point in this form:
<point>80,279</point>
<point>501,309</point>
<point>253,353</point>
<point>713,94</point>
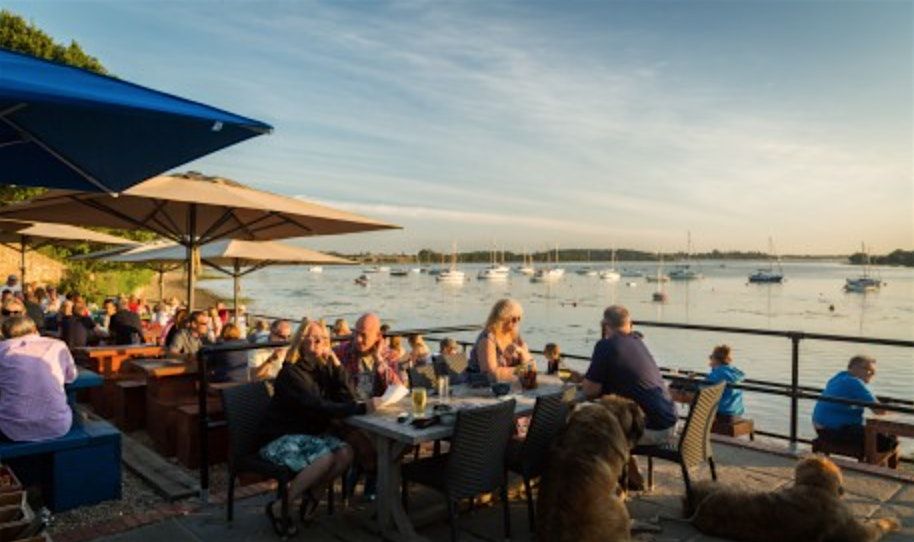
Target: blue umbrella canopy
<point>64,127</point>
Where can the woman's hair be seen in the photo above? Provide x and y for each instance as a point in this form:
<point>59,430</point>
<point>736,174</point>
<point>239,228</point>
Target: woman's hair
<point>447,343</point>
<point>551,350</point>
<point>18,326</point>
<point>180,317</point>
<point>396,342</point>
<point>230,332</point>
<point>501,311</point>
<point>721,354</point>
<point>341,327</point>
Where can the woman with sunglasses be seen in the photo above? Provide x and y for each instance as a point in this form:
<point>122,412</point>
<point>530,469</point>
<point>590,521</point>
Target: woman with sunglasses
<point>500,348</point>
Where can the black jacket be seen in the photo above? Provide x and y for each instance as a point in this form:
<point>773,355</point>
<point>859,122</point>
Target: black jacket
<point>307,396</point>
<point>125,328</point>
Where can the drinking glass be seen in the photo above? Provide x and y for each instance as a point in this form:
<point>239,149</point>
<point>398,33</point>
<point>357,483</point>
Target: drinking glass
<point>444,389</point>
<point>420,395</point>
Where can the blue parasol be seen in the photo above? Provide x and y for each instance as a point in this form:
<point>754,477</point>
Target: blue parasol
<point>64,127</point>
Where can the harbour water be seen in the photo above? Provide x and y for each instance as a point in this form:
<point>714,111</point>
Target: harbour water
<point>568,311</point>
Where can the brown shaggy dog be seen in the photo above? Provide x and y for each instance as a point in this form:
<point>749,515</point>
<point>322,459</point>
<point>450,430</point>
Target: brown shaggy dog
<point>577,500</point>
<point>809,511</point>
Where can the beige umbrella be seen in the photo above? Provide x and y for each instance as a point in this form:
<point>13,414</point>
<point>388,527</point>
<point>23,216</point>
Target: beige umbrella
<point>24,236</point>
<point>234,257</point>
<point>193,210</point>
<point>161,268</point>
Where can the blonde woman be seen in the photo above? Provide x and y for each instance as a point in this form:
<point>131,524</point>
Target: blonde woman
<point>500,348</point>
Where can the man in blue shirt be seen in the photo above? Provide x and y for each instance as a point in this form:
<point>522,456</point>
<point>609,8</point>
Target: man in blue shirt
<point>844,423</point>
<point>621,364</point>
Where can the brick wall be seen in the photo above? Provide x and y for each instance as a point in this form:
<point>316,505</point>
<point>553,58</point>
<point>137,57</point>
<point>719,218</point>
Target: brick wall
<point>39,267</point>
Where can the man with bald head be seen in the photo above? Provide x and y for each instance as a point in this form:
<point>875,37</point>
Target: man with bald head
<point>371,365</point>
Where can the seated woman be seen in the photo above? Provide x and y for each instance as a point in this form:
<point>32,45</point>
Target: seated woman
<point>231,365</point>
<point>77,329</point>
<point>419,354</point>
<point>309,397</point>
<point>731,404</point>
<point>33,371</point>
<point>500,348</point>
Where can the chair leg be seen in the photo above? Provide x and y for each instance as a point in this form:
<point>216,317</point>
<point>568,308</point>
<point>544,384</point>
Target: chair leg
<point>230,501</point>
<point>452,518</point>
<point>688,486</point>
<point>650,473</point>
<point>530,510</point>
<point>506,507</point>
<point>713,470</point>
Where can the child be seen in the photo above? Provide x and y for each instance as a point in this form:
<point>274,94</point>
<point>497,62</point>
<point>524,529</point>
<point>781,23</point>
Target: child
<point>731,404</point>
<point>553,358</point>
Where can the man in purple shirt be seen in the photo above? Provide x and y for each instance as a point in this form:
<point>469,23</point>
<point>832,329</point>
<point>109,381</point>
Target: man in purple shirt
<point>33,371</point>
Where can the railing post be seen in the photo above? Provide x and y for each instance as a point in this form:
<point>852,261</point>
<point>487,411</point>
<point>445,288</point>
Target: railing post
<point>203,430</point>
<point>795,338</point>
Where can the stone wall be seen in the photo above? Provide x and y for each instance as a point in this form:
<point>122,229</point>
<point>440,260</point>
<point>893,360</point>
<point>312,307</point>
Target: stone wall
<point>39,268</point>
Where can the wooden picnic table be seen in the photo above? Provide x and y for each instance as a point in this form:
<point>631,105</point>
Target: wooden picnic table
<point>393,438</point>
<point>890,425</point>
<point>108,360</point>
<point>170,384</point>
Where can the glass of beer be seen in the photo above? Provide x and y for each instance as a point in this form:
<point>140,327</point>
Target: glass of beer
<point>420,395</point>
<point>444,389</point>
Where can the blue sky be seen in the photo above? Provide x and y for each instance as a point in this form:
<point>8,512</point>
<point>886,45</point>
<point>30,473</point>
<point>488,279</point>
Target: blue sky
<point>532,123</point>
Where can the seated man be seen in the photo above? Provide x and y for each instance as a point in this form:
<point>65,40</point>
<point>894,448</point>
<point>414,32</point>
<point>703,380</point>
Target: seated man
<point>125,326</point>
<point>33,371</point>
<point>838,422</point>
<point>368,359</point>
<point>621,364</point>
<point>265,363</point>
<point>188,340</point>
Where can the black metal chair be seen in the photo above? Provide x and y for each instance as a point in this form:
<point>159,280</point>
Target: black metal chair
<point>528,457</point>
<point>451,365</point>
<point>694,447</point>
<point>245,407</point>
<point>475,463</point>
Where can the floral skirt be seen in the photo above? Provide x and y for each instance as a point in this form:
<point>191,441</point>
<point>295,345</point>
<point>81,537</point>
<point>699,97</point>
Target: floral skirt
<point>299,451</point>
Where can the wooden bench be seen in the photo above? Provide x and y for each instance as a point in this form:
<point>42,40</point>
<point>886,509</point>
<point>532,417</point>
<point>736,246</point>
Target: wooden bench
<point>129,404</point>
<point>734,428</point>
<point>187,434</point>
<point>850,449</point>
<point>82,467</point>
<point>169,385</point>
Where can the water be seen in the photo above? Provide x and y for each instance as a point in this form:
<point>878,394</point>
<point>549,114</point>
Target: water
<point>568,312</point>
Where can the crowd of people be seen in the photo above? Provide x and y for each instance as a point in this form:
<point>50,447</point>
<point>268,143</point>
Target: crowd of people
<point>323,374</point>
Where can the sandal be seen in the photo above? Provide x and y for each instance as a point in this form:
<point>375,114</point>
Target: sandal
<point>280,526</point>
<point>308,509</point>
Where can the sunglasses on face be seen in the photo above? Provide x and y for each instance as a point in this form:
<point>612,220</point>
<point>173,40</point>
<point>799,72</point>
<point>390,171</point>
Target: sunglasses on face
<point>514,319</point>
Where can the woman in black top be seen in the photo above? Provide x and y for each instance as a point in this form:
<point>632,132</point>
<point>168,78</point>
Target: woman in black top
<point>309,397</point>
<point>78,328</point>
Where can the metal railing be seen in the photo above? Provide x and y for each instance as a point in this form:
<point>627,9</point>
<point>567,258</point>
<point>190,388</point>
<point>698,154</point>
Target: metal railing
<point>793,390</point>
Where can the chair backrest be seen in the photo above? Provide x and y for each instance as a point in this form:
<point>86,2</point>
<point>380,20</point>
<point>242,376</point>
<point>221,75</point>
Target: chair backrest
<point>451,365</point>
<point>549,417</point>
<point>245,408</point>
<point>476,463</point>
<point>422,376</point>
<point>695,441</point>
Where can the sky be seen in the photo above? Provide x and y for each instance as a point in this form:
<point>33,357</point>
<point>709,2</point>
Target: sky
<point>531,124</point>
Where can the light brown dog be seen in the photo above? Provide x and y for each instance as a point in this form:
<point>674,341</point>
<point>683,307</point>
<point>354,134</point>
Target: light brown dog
<point>577,500</point>
<point>809,511</point>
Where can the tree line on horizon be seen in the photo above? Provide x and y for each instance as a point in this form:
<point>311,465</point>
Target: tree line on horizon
<point>896,257</point>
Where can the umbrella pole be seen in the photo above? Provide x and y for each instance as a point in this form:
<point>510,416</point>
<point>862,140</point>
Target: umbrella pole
<point>237,289</point>
<point>191,244</point>
<point>162,284</point>
<point>22,249</point>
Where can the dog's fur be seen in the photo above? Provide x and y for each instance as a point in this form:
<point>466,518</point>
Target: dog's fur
<point>809,511</point>
<point>577,499</point>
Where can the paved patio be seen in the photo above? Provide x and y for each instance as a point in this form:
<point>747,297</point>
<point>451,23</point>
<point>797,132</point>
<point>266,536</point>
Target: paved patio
<point>869,496</point>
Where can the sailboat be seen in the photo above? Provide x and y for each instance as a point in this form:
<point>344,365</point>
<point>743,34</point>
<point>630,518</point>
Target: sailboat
<point>769,275</point>
<point>611,275</point>
<point>660,295</point>
<point>684,271</point>
<point>526,268</point>
<point>587,270</point>
<point>549,274</point>
<point>495,270</point>
<point>864,283</point>
<point>452,275</point>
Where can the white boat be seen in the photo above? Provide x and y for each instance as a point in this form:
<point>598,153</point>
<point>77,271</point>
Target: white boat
<point>684,271</point>
<point>659,295</point>
<point>769,276</point>
<point>315,269</point>
<point>611,275</point>
<point>399,272</point>
<point>494,271</point>
<point>526,268</point>
<point>547,275</point>
<point>384,269</point>
<point>587,271</point>
<point>416,270</point>
<point>452,275</point>
<point>864,283</point>
<point>371,270</point>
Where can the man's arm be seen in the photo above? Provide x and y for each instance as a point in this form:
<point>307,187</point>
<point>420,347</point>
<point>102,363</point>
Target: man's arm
<point>597,372</point>
<point>591,389</point>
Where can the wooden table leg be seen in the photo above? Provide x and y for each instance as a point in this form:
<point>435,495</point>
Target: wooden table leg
<point>870,451</point>
<point>393,521</point>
